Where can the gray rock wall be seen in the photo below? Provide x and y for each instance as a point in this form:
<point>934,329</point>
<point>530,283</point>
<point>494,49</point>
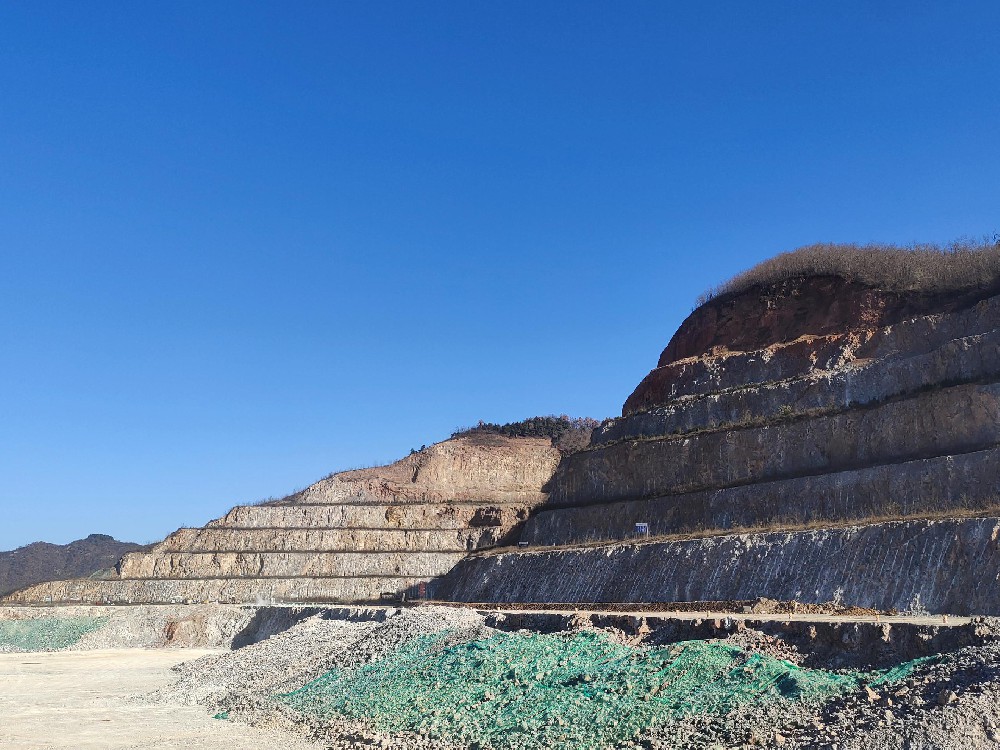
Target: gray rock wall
<point>933,423</point>
<point>733,370</point>
<point>957,484</point>
<point>214,539</point>
<point>964,360</point>
<point>221,590</point>
<point>948,566</point>
<point>372,516</point>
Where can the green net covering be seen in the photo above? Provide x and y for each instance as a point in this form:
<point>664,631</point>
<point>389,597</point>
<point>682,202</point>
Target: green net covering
<point>46,633</point>
<point>582,690</point>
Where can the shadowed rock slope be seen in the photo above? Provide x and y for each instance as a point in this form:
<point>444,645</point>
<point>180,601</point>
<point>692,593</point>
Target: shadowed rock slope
<point>814,438</point>
<point>355,536</point>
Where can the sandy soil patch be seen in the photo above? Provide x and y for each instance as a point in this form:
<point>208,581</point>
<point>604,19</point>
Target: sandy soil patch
<point>86,699</point>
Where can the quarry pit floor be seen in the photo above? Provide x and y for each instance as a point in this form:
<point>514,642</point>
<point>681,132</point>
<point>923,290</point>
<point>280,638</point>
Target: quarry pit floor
<point>85,700</point>
<point>129,698</point>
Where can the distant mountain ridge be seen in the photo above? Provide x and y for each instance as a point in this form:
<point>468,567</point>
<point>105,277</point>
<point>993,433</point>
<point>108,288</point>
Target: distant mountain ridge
<point>42,561</point>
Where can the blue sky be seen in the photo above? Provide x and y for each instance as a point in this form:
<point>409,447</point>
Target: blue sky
<point>243,245</point>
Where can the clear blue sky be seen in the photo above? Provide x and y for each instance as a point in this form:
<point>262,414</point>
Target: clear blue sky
<point>244,244</point>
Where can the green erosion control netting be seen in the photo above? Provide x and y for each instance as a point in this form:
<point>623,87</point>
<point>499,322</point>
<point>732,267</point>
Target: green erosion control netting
<point>46,633</point>
<point>560,691</point>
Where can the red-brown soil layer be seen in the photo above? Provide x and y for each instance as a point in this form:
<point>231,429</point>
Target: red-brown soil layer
<point>815,309</point>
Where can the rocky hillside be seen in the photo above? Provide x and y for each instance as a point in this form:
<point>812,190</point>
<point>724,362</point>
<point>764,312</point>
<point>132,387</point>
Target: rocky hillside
<point>787,425</point>
<point>41,561</point>
<point>825,427</point>
<point>361,535</point>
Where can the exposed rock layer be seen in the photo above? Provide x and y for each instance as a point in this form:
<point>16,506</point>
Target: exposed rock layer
<point>804,350</point>
<point>221,590</point>
<point>811,404</point>
<point>874,416</point>
<point>762,317</point>
<point>940,566</point>
<point>355,536</point>
<point>947,485</point>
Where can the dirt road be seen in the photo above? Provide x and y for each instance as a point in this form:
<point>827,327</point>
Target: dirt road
<point>84,700</point>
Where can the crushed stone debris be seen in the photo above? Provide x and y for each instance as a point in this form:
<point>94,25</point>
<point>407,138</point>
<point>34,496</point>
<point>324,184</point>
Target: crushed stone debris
<point>438,678</point>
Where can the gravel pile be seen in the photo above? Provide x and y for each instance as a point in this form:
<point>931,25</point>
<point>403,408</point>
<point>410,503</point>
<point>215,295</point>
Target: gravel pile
<point>947,704</point>
<point>434,678</point>
<point>290,659</point>
<point>582,690</point>
<point>954,702</point>
<point>263,669</point>
<point>242,685</point>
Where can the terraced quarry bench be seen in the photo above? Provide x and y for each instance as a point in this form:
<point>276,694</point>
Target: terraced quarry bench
<point>358,536</point>
<point>829,453</point>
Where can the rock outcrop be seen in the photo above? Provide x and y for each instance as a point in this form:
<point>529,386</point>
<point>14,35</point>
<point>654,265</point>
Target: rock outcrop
<point>809,404</point>
<point>948,566</point>
<point>356,536</point>
<point>814,438</point>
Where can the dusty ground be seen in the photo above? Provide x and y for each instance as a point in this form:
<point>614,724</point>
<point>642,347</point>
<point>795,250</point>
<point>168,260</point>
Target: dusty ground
<point>83,699</point>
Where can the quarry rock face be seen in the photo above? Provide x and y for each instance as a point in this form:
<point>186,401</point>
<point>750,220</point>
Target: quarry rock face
<point>790,311</point>
<point>803,433</point>
<point>815,439</point>
<point>357,536</point>
<point>940,566</point>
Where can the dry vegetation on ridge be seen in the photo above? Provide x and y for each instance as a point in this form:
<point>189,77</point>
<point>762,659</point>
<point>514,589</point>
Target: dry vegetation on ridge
<point>568,434</point>
<point>960,266</point>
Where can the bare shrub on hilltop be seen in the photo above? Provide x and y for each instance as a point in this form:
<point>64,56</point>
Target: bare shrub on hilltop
<point>963,265</point>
